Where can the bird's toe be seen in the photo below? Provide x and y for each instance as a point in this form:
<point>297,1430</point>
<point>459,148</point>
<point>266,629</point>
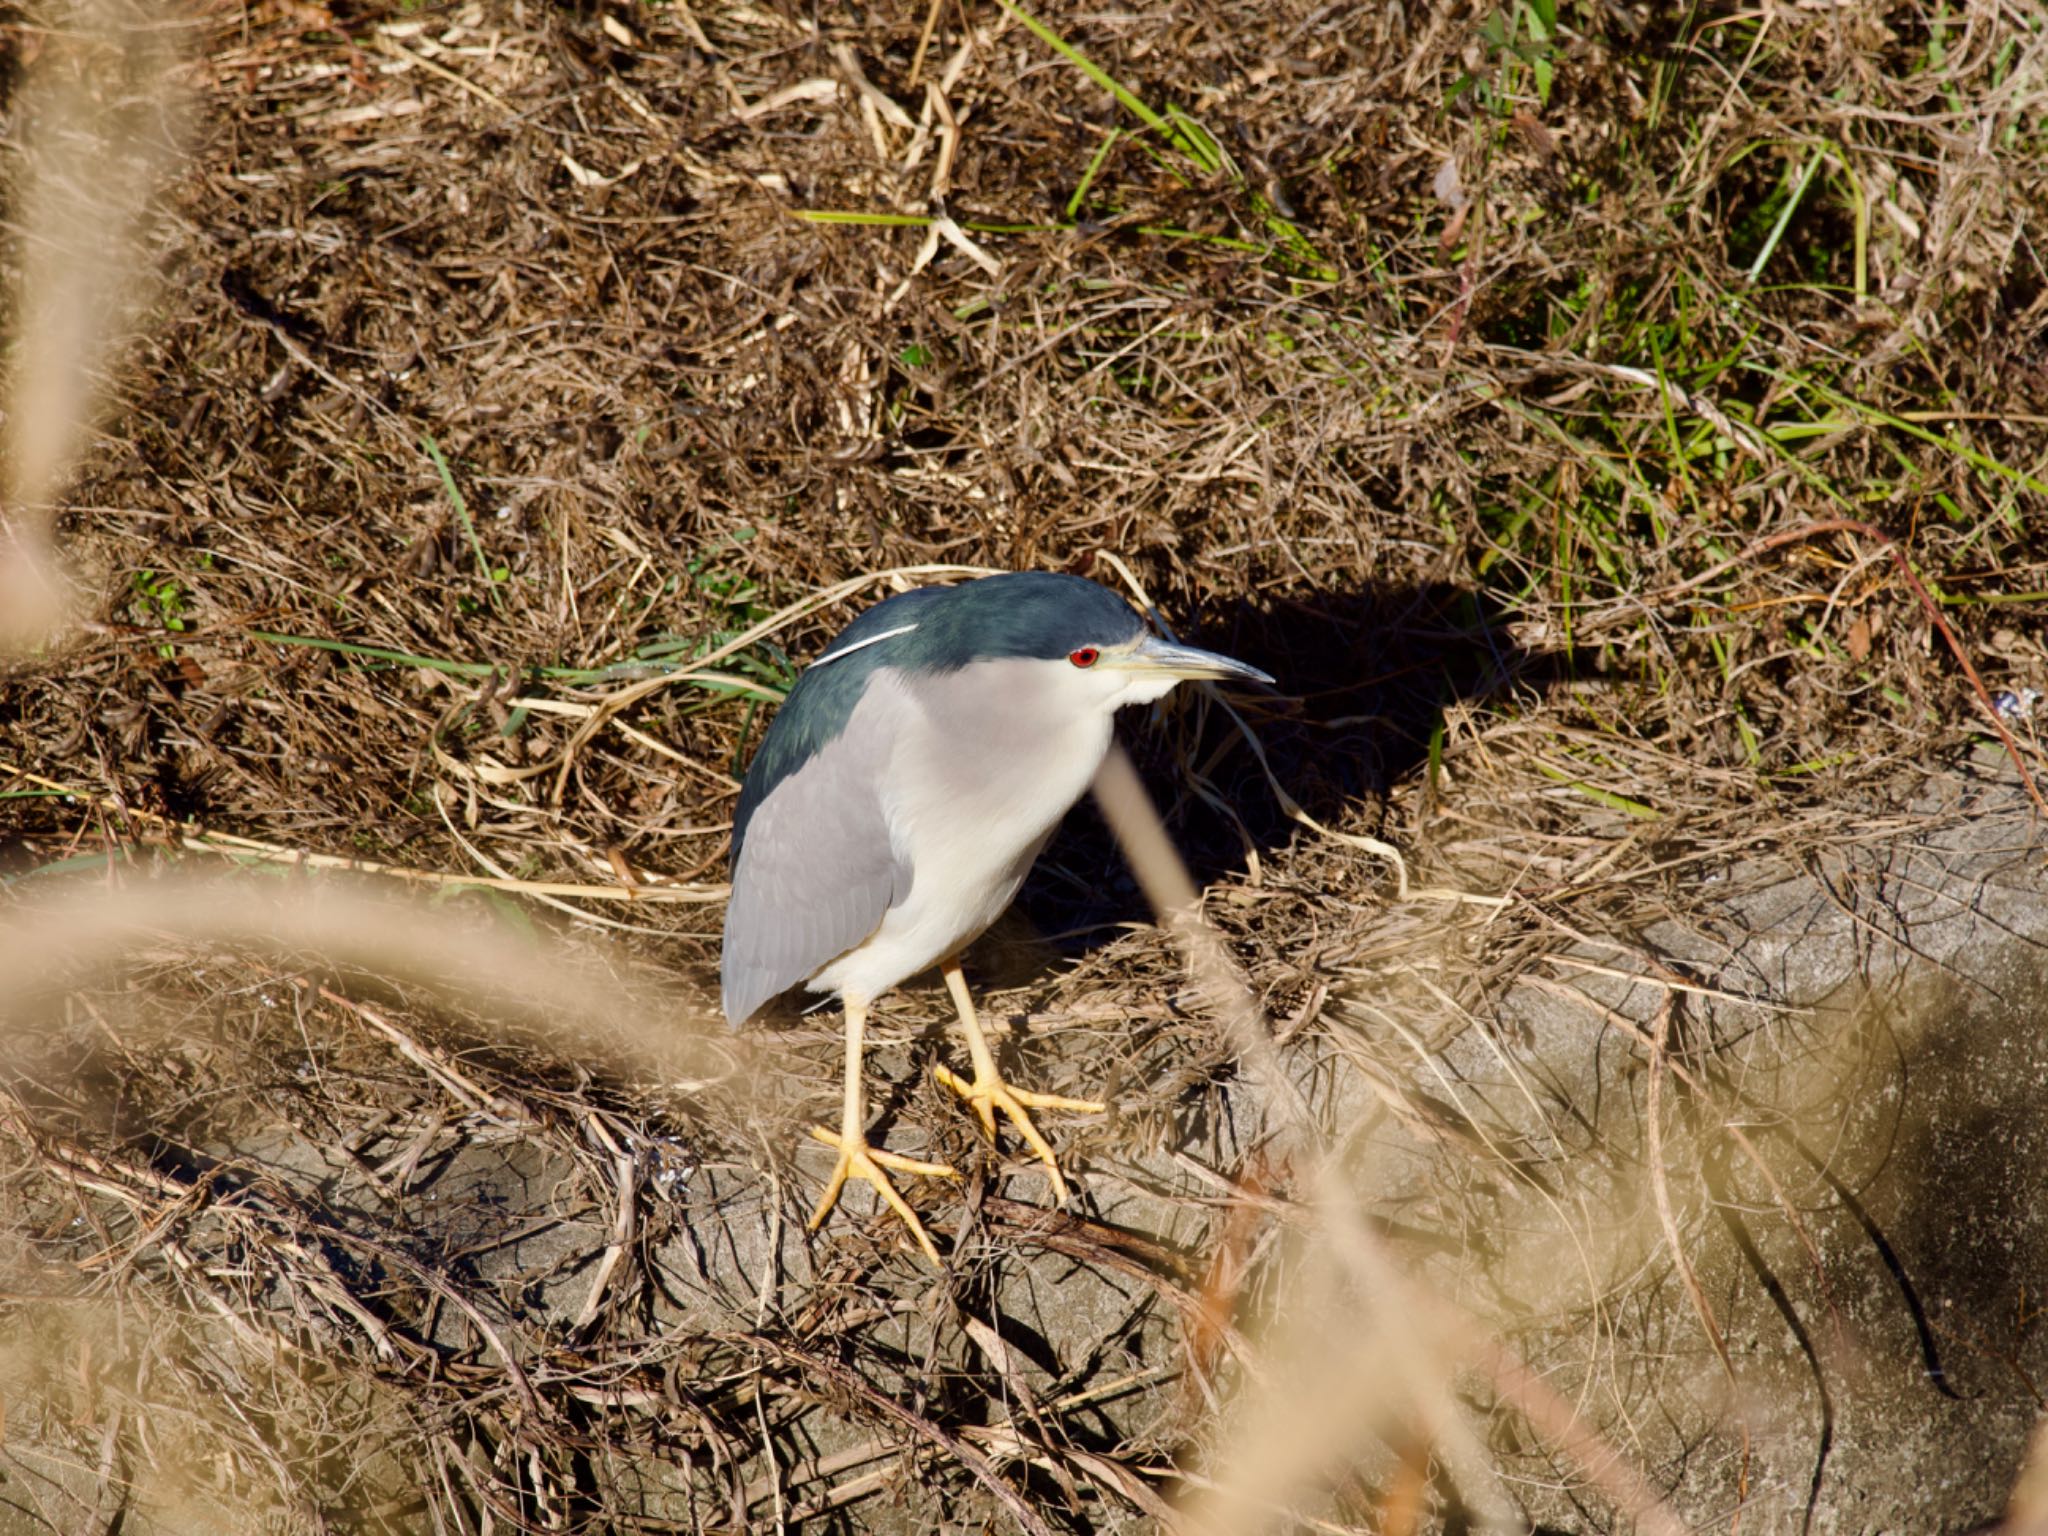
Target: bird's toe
<point>987,1094</point>
<point>858,1160</point>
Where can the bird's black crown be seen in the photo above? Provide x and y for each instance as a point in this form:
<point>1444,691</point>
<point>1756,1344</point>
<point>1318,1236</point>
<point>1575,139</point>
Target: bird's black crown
<point>1025,615</point>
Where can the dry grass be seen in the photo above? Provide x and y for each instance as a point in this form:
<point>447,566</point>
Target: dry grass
<point>1625,432</point>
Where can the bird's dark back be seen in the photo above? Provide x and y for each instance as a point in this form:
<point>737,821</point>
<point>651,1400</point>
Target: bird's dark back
<point>822,701</point>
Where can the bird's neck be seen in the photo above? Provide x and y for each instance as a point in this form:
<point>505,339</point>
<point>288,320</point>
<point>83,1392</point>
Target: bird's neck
<point>1001,748</point>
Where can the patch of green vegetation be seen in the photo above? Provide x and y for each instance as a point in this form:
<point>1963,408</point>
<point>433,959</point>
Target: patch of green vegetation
<point>1520,41</point>
<point>1176,144</point>
<point>767,671</point>
<point>163,600</point>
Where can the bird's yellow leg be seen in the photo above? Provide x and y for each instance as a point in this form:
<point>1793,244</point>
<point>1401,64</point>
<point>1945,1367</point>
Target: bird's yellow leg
<point>858,1160</point>
<point>989,1093</point>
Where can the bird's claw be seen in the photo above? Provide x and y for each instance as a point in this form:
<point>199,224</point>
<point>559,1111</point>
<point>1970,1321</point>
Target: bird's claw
<point>858,1160</point>
<point>989,1093</point>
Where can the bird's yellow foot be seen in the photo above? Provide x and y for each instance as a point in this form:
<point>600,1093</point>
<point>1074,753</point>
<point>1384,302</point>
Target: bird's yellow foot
<point>858,1160</point>
<point>989,1093</point>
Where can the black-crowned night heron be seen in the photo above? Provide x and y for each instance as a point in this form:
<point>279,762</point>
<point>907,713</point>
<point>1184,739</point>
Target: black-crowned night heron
<point>902,794</point>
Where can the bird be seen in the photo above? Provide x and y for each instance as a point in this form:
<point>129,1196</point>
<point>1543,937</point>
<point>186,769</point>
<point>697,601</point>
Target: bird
<point>899,797</point>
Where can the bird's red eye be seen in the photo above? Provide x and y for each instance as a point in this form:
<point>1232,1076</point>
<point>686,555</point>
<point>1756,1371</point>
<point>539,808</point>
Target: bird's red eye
<point>1084,657</point>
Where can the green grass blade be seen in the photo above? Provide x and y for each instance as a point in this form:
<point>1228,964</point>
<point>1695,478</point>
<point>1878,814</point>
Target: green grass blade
<point>622,671</point>
<point>1094,170</point>
<point>1785,214</point>
<point>461,505</point>
<point>1126,98</point>
<point>1872,416</point>
<point>378,653</point>
<point>877,220</point>
<point>1607,797</point>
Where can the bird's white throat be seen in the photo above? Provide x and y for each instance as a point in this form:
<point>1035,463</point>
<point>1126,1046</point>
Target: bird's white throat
<point>983,764</point>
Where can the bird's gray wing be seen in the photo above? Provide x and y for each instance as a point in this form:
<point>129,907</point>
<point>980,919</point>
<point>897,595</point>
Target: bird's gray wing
<point>816,872</point>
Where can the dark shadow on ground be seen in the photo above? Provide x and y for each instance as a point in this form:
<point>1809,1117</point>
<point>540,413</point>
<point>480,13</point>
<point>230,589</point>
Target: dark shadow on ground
<point>1364,679</point>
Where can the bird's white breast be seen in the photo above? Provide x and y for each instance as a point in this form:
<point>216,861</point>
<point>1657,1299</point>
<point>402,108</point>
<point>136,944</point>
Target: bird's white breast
<point>984,763</point>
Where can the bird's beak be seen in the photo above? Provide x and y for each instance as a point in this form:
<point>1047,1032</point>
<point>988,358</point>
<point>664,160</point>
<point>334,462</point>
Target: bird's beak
<point>1164,658</point>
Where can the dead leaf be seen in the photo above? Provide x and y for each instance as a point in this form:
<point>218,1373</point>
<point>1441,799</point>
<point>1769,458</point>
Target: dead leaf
<point>1858,640</point>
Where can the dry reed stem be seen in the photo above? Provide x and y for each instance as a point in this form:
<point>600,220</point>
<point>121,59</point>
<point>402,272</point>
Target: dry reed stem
<point>102,131</point>
<point>51,949</point>
<point>1325,1392</point>
<point>2026,1514</point>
